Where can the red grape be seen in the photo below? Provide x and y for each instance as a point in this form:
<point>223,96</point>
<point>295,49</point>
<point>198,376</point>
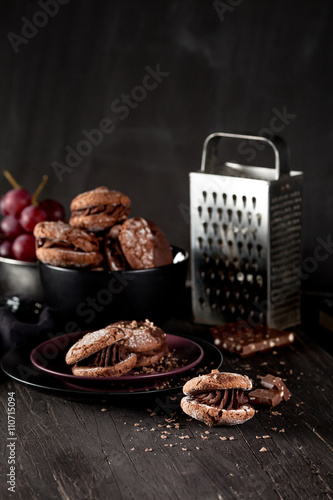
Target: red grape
<point>6,249</point>
<point>54,210</point>
<point>14,201</point>
<point>24,248</point>
<point>30,216</point>
<point>10,226</point>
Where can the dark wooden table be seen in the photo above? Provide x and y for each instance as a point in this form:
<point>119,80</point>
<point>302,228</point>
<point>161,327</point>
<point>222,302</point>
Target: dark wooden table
<point>148,448</point>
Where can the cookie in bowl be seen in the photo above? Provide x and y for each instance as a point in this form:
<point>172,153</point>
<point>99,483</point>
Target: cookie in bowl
<point>99,209</point>
<point>218,398</point>
<point>144,244</point>
<point>59,244</point>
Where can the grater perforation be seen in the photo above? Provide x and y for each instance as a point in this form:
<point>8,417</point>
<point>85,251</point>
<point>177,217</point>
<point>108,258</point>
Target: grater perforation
<point>245,239</point>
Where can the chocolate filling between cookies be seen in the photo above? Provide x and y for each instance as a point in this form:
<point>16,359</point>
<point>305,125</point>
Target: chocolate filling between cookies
<point>109,356</point>
<point>111,209</point>
<point>225,399</point>
<point>55,243</point>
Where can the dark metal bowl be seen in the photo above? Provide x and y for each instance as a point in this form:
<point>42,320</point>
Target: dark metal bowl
<point>92,299</point>
<point>20,278</point>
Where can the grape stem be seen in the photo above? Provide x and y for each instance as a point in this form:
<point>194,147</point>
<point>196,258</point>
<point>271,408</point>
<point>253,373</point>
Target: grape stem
<point>38,191</point>
<point>11,180</point>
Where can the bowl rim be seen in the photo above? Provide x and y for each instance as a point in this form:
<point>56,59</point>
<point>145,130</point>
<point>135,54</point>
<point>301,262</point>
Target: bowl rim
<point>6,260</point>
<point>175,248</point>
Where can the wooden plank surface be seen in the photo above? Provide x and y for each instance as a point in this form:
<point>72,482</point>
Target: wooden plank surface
<point>149,448</point>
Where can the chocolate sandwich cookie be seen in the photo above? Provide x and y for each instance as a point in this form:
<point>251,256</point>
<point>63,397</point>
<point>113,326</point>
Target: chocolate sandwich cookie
<point>101,354</point>
<point>61,245</point>
<point>144,244</point>
<point>152,357</point>
<point>142,336</point>
<point>99,209</point>
<point>218,398</point>
<point>113,253</point>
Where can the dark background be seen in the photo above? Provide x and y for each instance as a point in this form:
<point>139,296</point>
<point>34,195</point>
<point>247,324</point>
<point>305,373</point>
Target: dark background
<point>230,65</point>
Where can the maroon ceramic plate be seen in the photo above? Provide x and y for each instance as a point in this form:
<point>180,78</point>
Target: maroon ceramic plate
<point>49,357</point>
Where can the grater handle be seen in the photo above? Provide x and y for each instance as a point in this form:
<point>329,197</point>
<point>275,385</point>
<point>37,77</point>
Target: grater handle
<point>276,143</point>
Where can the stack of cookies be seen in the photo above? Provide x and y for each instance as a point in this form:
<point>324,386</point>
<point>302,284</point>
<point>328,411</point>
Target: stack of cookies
<point>118,348</point>
<point>100,235</point>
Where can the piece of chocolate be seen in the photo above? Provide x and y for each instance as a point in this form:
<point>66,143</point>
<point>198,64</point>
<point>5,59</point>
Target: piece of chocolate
<point>240,338</point>
<point>271,382</point>
<point>267,397</point>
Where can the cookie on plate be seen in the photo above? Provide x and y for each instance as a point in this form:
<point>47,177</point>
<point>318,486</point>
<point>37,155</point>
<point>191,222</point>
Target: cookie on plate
<point>142,336</point>
<point>101,354</point>
<point>146,340</point>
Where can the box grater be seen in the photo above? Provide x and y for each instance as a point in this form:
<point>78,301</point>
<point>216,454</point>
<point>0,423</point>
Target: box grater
<point>245,236</point>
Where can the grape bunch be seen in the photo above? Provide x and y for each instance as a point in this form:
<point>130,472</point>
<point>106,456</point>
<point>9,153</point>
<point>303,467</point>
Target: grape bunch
<point>21,212</point>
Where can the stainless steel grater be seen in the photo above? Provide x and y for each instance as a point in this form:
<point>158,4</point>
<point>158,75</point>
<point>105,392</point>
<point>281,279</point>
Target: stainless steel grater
<point>245,237</point>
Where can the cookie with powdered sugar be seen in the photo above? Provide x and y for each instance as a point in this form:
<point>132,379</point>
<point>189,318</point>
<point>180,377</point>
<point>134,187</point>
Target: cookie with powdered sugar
<point>218,398</point>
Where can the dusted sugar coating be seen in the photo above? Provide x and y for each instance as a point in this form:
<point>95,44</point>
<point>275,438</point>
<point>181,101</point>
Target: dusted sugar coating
<point>213,416</point>
<point>144,245</point>
<point>99,209</point>
<point>93,342</point>
<point>61,235</point>
<point>217,380</point>
<point>218,398</point>
<point>59,244</point>
<point>240,338</point>
<point>141,335</point>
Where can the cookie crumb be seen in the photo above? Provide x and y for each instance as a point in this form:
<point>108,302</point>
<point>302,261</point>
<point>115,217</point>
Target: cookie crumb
<point>266,437</point>
<point>263,449</point>
<point>223,438</point>
<point>231,438</point>
<point>104,409</point>
<point>149,449</point>
<point>282,430</point>
<point>163,437</point>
